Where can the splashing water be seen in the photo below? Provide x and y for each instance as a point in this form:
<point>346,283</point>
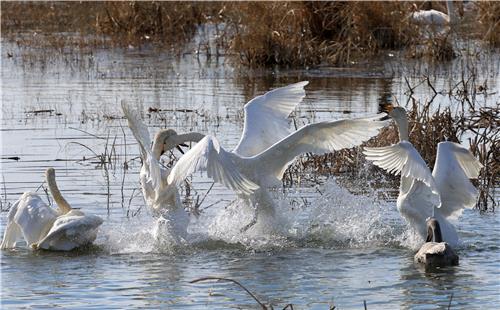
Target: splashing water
<point>334,219</point>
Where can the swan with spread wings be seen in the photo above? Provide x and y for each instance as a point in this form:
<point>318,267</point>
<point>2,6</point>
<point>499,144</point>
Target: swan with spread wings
<point>268,146</point>
<point>444,193</point>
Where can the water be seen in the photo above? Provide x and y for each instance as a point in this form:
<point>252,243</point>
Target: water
<point>335,248</point>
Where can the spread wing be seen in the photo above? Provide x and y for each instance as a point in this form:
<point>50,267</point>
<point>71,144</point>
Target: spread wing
<point>454,167</point>
<point>266,118</point>
<point>141,134</point>
<point>402,158</point>
<point>210,156</point>
<point>318,138</point>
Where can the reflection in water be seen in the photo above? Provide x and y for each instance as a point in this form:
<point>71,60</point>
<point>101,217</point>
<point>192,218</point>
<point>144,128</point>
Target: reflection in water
<point>337,248</point>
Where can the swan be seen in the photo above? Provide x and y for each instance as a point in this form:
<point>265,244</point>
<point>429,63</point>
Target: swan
<point>268,146</point>
<point>435,252</point>
<point>43,227</point>
<point>160,195</point>
<point>442,194</point>
<point>435,19</point>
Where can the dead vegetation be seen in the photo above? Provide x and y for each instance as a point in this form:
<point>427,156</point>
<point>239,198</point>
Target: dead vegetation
<point>467,120</point>
<point>295,34</point>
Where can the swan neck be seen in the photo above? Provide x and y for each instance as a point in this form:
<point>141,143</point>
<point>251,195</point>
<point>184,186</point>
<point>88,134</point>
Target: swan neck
<point>437,233</point>
<point>157,150</point>
<point>188,137</point>
<point>451,11</point>
<point>56,194</point>
<point>402,123</point>
<point>158,145</point>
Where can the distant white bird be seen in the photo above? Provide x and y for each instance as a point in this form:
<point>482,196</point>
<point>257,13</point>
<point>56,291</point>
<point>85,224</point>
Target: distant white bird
<point>443,194</point>
<point>435,252</point>
<point>268,146</point>
<point>43,227</point>
<point>435,21</point>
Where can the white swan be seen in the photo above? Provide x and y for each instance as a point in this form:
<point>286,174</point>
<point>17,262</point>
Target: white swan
<point>160,195</point>
<point>443,194</point>
<point>43,227</point>
<point>435,252</point>
<point>268,146</point>
<point>438,21</point>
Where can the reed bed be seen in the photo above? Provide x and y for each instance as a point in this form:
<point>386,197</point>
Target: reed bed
<point>467,121</point>
<point>256,34</point>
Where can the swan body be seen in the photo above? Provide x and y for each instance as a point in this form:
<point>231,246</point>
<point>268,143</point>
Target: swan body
<point>430,18</point>
<point>442,194</point>
<point>43,227</point>
<point>435,21</point>
<point>435,252</point>
<point>161,196</point>
<point>268,146</point>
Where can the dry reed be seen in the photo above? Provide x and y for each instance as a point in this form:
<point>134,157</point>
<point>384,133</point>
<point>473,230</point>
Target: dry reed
<point>256,33</point>
<point>427,127</point>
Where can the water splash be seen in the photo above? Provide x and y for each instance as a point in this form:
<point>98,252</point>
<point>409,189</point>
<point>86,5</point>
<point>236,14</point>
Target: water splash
<point>334,219</point>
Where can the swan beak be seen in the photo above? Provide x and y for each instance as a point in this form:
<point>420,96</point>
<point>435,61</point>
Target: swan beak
<point>385,107</point>
<point>179,148</point>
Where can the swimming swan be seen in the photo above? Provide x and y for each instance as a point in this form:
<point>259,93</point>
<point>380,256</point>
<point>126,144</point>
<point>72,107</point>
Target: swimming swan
<point>435,252</point>
<point>268,146</point>
<point>443,194</point>
<point>43,227</point>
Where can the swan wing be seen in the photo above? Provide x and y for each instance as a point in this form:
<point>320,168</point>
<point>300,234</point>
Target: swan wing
<point>402,158</point>
<point>266,118</point>
<point>33,217</point>
<point>71,231</point>
<point>210,156</point>
<point>454,167</point>
<point>12,230</point>
<point>141,134</point>
<point>318,138</point>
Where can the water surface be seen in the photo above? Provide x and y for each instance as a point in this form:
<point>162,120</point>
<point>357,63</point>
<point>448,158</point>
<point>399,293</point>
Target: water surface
<point>336,248</point>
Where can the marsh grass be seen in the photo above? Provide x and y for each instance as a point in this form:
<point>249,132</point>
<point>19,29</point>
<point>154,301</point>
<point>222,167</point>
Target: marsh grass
<point>467,120</point>
<point>100,24</point>
<point>256,34</point>
<point>489,21</point>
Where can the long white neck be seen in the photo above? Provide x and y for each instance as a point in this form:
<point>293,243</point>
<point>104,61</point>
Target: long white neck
<point>157,149</point>
<point>402,122</point>
<point>56,194</point>
<point>451,11</point>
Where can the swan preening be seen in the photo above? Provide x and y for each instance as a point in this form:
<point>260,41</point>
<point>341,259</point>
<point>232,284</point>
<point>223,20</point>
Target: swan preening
<point>435,252</point>
<point>442,194</point>
<point>43,227</point>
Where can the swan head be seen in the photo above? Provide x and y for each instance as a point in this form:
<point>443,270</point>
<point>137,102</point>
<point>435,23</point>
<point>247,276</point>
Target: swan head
<point>399,115</point>
<point>433,230</point>
<point>165,140</point>
<point>50,173</point>
<point>394,112</point>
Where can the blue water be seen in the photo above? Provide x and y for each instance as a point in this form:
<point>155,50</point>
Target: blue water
<point>335,249</point>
